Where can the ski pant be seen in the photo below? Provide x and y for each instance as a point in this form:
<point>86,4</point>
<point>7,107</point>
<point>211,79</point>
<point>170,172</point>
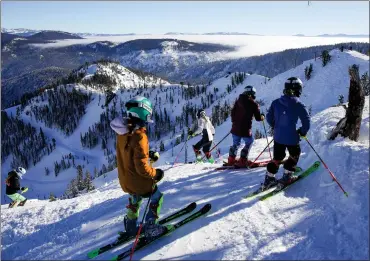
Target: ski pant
<point>279,155</point>
<point>156,200</point>
<point>17,197</point>
<point>236,143</point>
<point>204,143</point>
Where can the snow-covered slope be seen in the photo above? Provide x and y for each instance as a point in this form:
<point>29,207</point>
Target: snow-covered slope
<point>320,92</point>
<point>311,220</point>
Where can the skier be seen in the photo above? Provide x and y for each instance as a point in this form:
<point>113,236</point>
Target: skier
<point>136,176</point>
<point>13,186</point>
<point>204,126</point>
<point>282,116</point>
<point>241,116</point>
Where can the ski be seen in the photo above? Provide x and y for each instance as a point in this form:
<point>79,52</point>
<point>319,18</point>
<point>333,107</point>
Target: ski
<point>251,166</point>
<point>259,191</point>
<point>123,237</point>
<point>142,242</point>
<point>279,188</point>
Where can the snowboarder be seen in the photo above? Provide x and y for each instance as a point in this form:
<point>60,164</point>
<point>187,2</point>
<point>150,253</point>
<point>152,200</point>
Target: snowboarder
<point>282,116</point>
<point>136,176</point>
<point>13,186</point>
<point>241,116</point>
<point>204,126</point>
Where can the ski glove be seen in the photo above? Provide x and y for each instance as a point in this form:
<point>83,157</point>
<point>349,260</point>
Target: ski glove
<point>158,175</point>
<point>24,189</point>
<point>262,116</point>
<point>190,133</point>
<point>154,156</point>
<point>299,131</point>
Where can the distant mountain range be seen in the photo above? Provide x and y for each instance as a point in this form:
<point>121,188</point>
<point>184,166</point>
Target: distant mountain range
<point>28,32</point>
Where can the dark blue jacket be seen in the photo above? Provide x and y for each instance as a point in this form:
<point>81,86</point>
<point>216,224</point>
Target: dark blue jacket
<point>283,117</point>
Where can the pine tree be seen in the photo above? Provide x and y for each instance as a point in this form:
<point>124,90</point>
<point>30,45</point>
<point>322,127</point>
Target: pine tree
<point>52,197</point>
<point>161,146</point>
<point>80,180</point>
<point>88,182</point>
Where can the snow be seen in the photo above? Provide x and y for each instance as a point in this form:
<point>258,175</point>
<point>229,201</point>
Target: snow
<point>311,220</point>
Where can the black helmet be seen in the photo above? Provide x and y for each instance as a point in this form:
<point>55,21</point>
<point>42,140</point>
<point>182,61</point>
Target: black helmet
<point>201,113</point>
<point>251,91</point>
<point>293,87</point>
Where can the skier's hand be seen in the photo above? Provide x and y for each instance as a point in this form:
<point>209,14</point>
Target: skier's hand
<point>158,175</point>
<point>154,156</point>
<point>190,133</point>
<point>262,117</point>
<point>24,189</point>
<point>299,131</point>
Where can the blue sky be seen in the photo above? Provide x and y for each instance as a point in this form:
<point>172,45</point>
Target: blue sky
<point>269,18</point>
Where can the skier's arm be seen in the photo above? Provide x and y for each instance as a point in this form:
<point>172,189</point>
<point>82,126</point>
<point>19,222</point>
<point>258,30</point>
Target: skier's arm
<point>270,116</point>
<point>141,157</point>
<point>15,184</point>
<point>305,119</point>
<point>257,113</point>
<point>201,125</point>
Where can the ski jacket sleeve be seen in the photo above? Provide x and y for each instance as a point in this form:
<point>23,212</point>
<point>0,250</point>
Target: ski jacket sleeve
<point>304,117</point>
<point>257,112</point>
<point>233,112</point>
<point>141,158</point>
<point>270,115</point>
<point>13,182</point>
<point>201,126</point>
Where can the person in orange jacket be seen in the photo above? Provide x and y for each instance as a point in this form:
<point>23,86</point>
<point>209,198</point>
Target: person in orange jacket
<point>136,176</point>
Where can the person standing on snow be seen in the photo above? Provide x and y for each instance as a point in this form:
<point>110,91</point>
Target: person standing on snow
<point>204,126</point>
<point>283,116</point>
<point>242,114</point>
<point>13,186</point>
<point>136,176</point>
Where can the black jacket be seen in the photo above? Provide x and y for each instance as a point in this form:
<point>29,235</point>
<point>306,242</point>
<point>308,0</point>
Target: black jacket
<point>12,183</point>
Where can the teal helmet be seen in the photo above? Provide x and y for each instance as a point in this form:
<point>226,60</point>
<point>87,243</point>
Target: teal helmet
<point>141,108</point>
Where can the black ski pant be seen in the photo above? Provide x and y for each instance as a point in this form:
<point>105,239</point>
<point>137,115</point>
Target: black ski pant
<point>203,143</point>
<point>279,155</point>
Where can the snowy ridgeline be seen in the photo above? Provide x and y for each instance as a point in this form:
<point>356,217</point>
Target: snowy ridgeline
<point>311,220</point>
<point>320,91</point>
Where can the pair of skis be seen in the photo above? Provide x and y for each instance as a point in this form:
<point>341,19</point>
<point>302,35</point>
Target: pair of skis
<point>280,188</point>
<point>143,242</point>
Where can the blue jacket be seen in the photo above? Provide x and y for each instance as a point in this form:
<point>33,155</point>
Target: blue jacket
<point>283,117</point>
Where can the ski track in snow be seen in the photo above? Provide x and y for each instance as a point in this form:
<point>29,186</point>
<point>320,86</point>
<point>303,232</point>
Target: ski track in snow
<point>310,220</point>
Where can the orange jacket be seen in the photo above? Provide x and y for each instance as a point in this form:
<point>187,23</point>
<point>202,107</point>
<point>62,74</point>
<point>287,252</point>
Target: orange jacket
<point>134,172</point>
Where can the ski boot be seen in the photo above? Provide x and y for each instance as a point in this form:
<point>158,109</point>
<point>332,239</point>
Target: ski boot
<point>130,219</point>
<point>210,159</point>
<point>13,204</point>
<point>288,178</point>
<point>270,181</point>
<point>198,154</point>
<point>151,228</point>
<point>241,163</point>
<point>22,202</point>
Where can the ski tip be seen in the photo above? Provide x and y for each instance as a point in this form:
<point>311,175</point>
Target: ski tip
<point>93,254</point>
<point>317,164</point>
<point>115,258</point>
<point>192,205</point>
<point>206,208</point>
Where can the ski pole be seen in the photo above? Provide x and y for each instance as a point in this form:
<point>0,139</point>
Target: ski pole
<point>262,151</point>
<point>331,173</point>
<point>141,224</point>
<point>263,122</point>
<point>180,151</point>
<point>216,145</point>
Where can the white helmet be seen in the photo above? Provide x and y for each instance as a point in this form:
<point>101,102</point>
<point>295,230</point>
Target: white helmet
<point>20,171</point>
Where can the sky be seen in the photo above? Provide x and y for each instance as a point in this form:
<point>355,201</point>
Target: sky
<point>141,17</point>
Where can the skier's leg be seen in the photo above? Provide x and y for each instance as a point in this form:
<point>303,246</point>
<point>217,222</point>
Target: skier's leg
<point>206,149</point>
<point>273,166</point>
<point>243,161</point>
<point>153,229</point>
<point>291,163</point>
<point>16,198</point>
<point>133,210</point>
<point>233,150</point>
<point>197,148</point>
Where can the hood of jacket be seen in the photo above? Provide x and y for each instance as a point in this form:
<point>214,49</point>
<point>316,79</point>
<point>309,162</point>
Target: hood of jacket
<point>119,125</point>
<point>288,100</point>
